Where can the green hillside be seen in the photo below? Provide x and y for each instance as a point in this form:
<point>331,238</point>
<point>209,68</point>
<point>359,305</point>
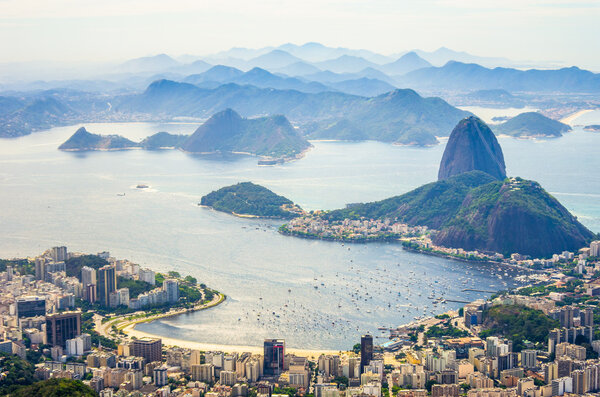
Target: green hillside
<point>532,124</point>
<point>247,198</point>
<point>474,211</point>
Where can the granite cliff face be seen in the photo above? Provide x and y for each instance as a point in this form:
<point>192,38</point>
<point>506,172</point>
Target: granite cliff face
<point>472,146</point>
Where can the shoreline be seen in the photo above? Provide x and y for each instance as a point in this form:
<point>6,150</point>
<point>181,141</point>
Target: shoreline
<point>128,327</point>
<point>569,119</point>
<point>204,346</point>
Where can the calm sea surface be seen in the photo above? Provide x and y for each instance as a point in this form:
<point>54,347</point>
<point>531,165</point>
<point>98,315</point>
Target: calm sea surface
<point>314,294</point>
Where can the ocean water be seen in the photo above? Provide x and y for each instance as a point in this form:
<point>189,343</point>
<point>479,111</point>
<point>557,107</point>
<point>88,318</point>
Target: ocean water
<point>315,294</point>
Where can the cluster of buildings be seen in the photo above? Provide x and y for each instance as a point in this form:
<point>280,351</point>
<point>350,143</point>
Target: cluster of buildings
<point>39,309</point>
<point>101,286</point>
<point>586,261</point>
<point>354,230</point>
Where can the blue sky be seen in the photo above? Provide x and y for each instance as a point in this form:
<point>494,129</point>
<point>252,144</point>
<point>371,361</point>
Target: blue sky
<point>107,30</point>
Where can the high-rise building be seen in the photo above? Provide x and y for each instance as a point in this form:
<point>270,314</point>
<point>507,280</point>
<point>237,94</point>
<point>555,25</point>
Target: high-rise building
<point>79,345</point>
<point>160,376</point>
<point>587,317</point>
<point>88,277</point>
<point>149,348</point>
<point>366,351</point>
<point>90,293</point>
<point>529,359</point>
<point>31,306</point>
<point>147,276</point>
<point>595,248</point>
<point>274,350</point>
<point>566,317</point>
<point>59,254</point>
<point>228,378</point>
<point>40,268</point>
<point>107,283</point>
<point>171,287</point>
<point>203,372</point>
<point>62,326</point>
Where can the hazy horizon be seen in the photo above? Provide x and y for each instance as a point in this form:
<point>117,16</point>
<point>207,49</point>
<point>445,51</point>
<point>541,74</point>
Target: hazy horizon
<point>111,31</point>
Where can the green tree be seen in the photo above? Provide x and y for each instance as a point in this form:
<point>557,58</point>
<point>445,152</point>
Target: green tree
<point>18,373</point>
<point>56,387</point>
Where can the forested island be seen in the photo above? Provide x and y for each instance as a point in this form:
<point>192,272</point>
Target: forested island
<point>532,125</point>
<point>251,200</point>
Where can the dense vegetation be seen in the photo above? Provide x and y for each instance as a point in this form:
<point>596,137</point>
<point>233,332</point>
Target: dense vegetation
<point>17,371</point>
<point>56,387</point>
<point>247,198</point>
<point>474,211</point>
<point>514,216</point>
<point>23,266</point>
<point>532,124</point>
<point>73,265</point>
<point>447,329</point>
<point>430,205</point>
<point>136,287</point>
<point>517,323</point>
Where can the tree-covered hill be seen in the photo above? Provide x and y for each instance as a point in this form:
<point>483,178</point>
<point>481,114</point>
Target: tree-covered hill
<point>247,198</point>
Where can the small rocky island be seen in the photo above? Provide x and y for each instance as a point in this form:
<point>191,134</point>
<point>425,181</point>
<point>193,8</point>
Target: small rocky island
<point>532,125</point>
<point>247,199</point>
<point>83,140</point>
<point>593,128</point>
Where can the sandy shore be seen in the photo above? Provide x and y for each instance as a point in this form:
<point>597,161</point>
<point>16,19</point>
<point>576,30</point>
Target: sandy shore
<point>132,332</point>
<point>128,328</point>
<point>569,119</point>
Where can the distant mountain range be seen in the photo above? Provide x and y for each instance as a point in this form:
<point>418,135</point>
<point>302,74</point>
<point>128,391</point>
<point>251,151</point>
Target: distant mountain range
<point>291,80</point>
<point>400,116</point>
<point>21,117</point>
<point>261,78</point>
<point>457,76</point>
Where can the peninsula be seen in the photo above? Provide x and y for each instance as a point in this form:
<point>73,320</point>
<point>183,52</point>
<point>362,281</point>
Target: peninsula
<point>473,207</point>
